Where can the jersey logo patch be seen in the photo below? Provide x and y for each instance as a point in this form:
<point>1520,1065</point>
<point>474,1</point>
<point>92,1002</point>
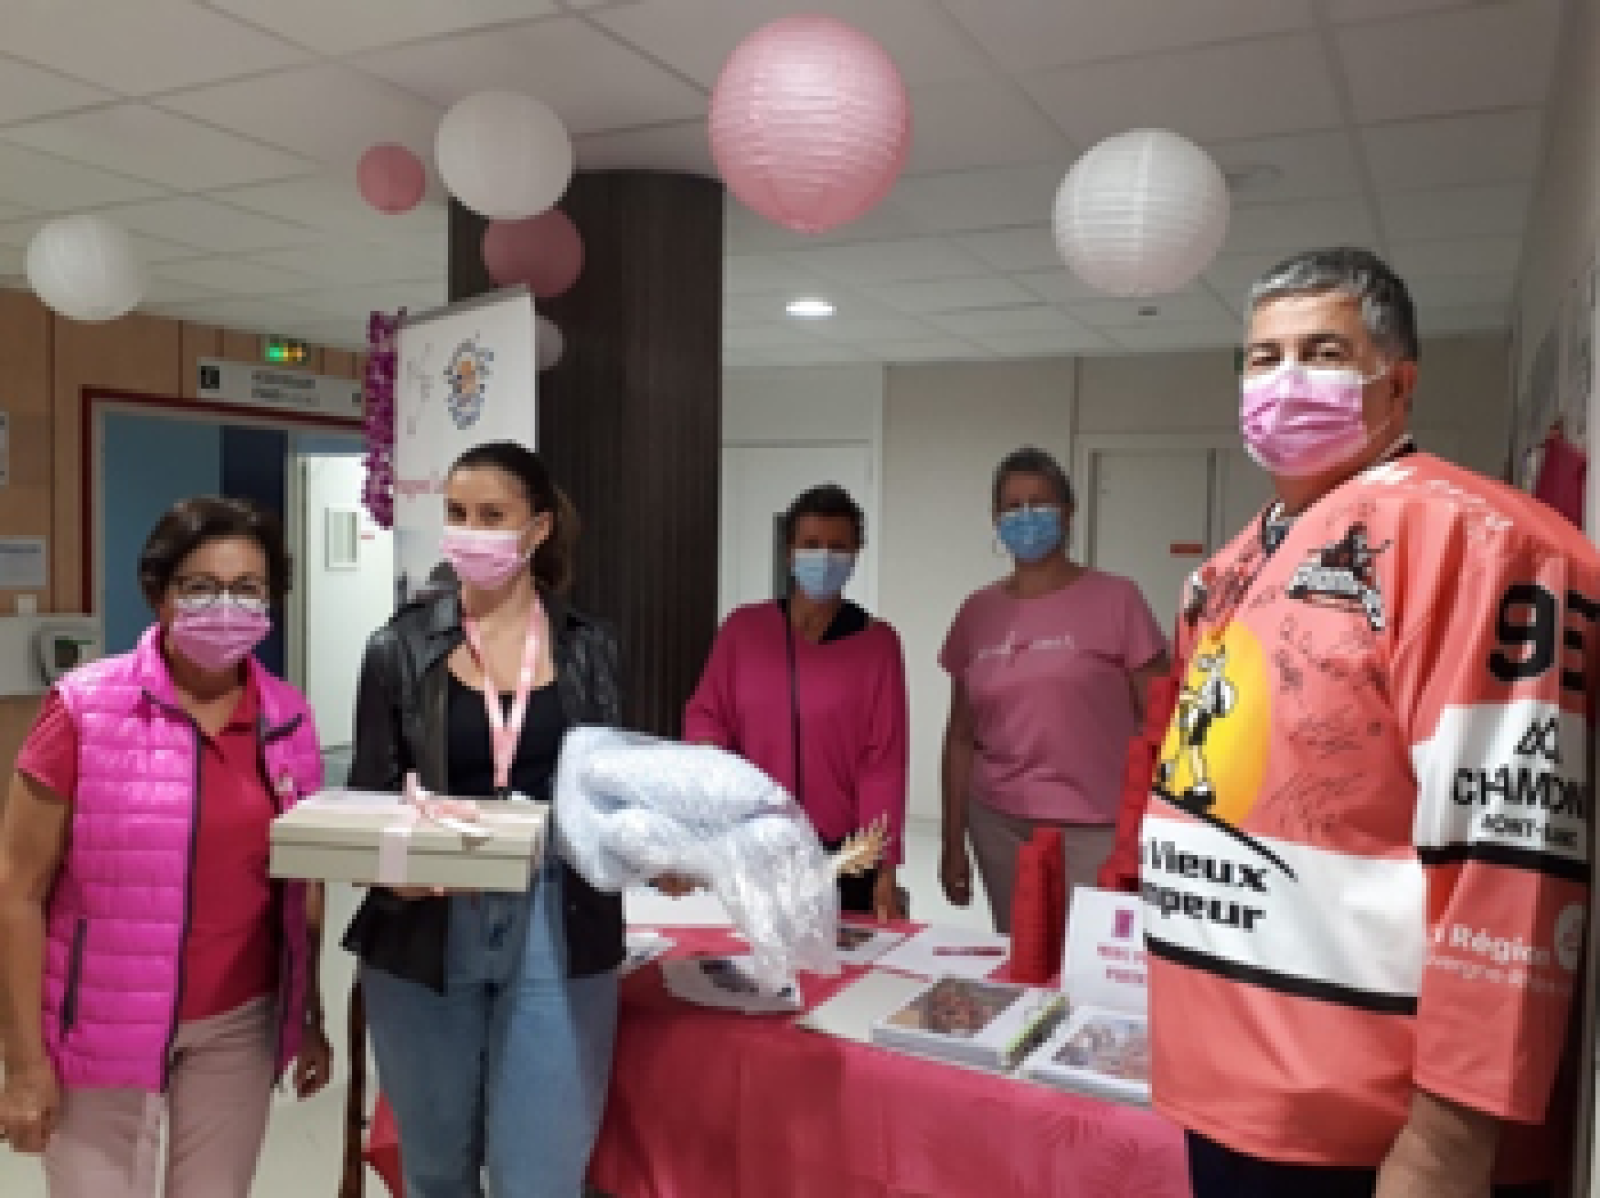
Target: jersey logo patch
<point>1340,575</point>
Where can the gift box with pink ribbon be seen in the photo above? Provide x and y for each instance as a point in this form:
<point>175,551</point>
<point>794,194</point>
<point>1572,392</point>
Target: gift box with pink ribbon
<point>412,840</point>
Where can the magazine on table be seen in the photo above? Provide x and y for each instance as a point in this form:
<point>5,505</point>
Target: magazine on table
<point>989,1025</point>
<point>728,983</point>
<point>937,952</point>
<point>1103,1049</point>
<point>862,944</point>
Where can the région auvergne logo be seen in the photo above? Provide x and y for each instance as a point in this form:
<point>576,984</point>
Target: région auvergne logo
<point>467,371</point>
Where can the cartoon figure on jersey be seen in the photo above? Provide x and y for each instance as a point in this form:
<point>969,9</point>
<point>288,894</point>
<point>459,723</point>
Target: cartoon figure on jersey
<point>1199,705</point>
<point>1341,575</point>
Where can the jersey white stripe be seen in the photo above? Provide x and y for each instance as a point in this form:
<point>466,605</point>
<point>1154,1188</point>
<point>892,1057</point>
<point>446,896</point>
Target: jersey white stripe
<point>1343,920</point>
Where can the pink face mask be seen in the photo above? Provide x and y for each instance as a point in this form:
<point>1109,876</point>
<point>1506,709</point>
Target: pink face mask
<point>1298,421</point>
<point>484,557</point>
<point>220,635</point>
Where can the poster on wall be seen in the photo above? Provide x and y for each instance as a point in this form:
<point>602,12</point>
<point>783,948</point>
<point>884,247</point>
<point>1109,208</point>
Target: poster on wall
<point>466,374</point>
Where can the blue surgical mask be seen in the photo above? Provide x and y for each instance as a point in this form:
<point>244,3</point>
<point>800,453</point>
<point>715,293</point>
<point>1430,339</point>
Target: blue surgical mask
<point>1030,534</point>
<point>822,573</point>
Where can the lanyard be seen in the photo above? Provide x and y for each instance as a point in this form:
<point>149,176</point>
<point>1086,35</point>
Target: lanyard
<point>504,731</point>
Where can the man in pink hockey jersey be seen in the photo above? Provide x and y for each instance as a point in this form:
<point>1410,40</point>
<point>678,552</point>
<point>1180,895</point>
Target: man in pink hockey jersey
<point>1365,858</point>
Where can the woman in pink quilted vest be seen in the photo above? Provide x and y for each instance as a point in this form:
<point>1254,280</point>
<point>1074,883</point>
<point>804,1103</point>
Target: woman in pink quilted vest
<point>149,967</point>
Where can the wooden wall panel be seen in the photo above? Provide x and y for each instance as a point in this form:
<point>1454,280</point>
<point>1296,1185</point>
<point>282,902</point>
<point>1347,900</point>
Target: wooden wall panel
<point>136,353</point>
<point>199,341</point>
<point>241,347</point>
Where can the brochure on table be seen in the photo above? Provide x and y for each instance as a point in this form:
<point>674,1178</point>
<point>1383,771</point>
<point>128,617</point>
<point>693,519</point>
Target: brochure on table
<point>1103,1048</point>
<point>938,952</point>
<point>728,983</point>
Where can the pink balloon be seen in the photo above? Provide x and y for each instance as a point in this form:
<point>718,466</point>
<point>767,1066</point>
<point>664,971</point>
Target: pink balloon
<point>543,251</point>
<point>810,123</point>
<point>391,178</point>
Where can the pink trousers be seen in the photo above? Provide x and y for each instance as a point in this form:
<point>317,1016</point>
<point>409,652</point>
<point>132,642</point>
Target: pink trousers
<point>108,1144</point>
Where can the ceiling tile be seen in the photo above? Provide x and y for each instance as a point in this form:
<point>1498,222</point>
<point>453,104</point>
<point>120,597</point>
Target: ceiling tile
<point>745,231</point>
<point>980,122</point>
<point>1048,344</point>
<point>982,199</point>
<point>748,274</point>
<point>768,336</point>
<point>345,261</point>
<point>1192,307</point>
<point>874,331</point>
<point>1057,286</point>
<point>821,354</point>
<point>1458,290</point>
<point>160,290</point>
<point>1024,318</point>
<point>1197,92</point>
<point>1298,226</point>
<point>1488,256</point>
<point>281,316</point>
<point>678,147</point>
<point>27,91</point>
<point>770,307</point>
<point>883,262</point>
<point>1159,338</point>
<point>1462,151</point>
<point>1231,276</point>
<point>1028,34</point>
<point>139,48</point>
<point>326,112</point>
<point>236,276</point>
<point>134,139</point>
<point>348,26</point>
<point>1479,58</point>
<point>1305,166</point>
<point>329,201</point>
<point>209,226</point>
<point>1463,214</point>
<point>936,349</point>
<point>563,60</point>
<point>696,37</point>
<point>1023,248</point>
<point>952,295</point>
<point>50,184</point>
<point>360,302</point>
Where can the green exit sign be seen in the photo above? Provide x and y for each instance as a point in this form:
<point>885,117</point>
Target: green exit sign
<point>283,351</point>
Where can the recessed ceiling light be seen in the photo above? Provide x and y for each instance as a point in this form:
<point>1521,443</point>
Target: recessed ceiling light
<point>1260,176</point>
<point>1149,310</point>
<point>810,309</point>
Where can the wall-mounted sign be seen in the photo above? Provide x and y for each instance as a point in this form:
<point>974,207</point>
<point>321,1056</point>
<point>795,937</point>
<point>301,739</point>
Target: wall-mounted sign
<point>223,381</point>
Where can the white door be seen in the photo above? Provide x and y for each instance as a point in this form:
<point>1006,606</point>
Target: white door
<point>1150,519</point>
<point>346,576</point>
<point>759,482</point>
<point>1241,490</point>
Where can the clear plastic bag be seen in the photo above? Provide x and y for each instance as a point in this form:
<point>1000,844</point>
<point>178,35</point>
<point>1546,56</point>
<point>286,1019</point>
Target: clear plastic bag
<point>630,808</point>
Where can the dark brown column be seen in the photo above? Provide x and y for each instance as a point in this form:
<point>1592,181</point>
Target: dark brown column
<point>630,420</point>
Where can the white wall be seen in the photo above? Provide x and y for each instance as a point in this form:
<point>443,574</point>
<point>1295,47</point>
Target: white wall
<point>1564,221</point>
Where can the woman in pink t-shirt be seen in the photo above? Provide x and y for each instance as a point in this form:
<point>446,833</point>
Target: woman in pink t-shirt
<point>1047,668</point>
<point>812,690</point>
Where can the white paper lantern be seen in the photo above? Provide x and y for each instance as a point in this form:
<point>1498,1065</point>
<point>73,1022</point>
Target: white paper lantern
<point>1141,213</point>
<point>85,268</point>
<point>503,154</point>
<point>548,343</point>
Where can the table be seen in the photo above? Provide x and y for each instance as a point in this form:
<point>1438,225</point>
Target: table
<point>715,1104</point>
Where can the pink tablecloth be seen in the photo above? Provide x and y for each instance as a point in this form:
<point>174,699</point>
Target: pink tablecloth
<point>712,1104</point>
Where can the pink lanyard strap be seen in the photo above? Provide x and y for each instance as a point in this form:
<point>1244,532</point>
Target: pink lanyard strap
<point>505,731</point>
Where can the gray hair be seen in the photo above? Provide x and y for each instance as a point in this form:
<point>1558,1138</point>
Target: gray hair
<point>1386,306</point>
<point>1038,463</point>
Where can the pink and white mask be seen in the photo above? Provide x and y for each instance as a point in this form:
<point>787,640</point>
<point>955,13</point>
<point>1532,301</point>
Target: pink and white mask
<point>484,557</point>
<point>218,635</point>
<point>1299,421</point>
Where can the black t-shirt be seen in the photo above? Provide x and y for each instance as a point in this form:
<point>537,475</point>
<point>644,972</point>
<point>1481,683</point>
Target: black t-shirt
<point>471,749</point>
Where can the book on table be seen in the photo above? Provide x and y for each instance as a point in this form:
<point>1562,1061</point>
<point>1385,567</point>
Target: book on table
<point>1103,1049</point>
<point>987,1025</point>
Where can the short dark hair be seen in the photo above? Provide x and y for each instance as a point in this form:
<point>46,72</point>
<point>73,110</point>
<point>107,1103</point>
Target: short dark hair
<point>1386,307</point>
<point>191,523</point>
<point>1040,464</point>
<point>553,560</point>
<point>829,500</point>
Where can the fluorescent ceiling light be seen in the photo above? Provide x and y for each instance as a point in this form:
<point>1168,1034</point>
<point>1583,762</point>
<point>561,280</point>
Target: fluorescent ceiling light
<point>810,309</point>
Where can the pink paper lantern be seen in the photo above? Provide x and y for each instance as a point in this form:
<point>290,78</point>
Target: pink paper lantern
<point>391,178</point>
<point>543,251</point>
<point>810,123</point>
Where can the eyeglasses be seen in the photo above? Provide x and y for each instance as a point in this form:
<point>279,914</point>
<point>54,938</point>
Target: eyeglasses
<point>202,591</point>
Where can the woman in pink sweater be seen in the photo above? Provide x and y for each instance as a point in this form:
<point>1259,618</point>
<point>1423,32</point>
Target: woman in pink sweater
<point>812,690</point>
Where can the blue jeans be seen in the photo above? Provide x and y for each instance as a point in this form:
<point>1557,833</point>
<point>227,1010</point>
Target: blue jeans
<point>507,1071</point>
